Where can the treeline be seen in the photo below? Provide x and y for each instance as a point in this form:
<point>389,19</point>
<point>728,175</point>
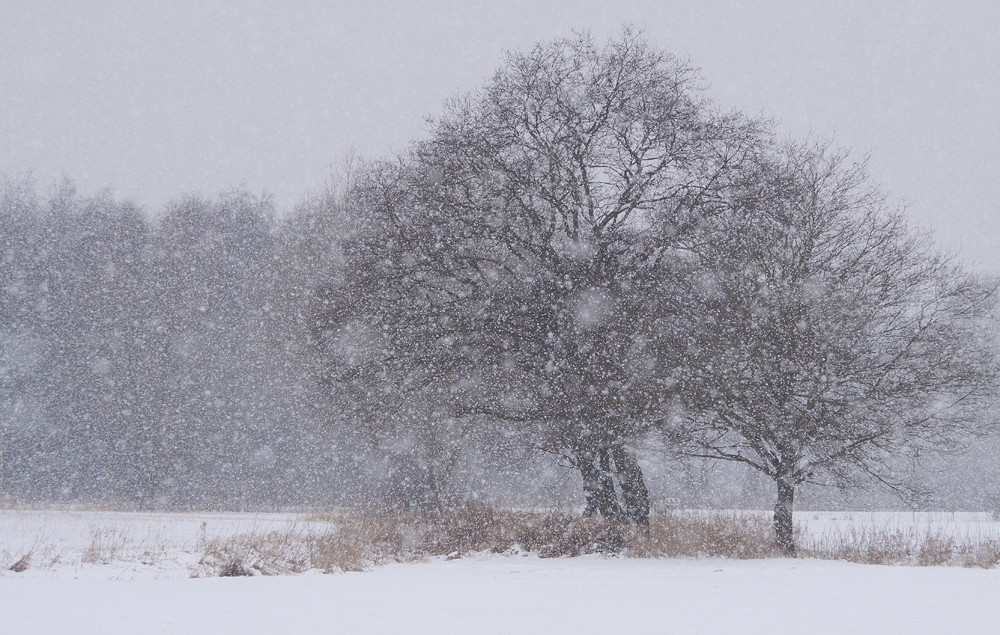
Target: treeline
<point>171,362</point>
<point>148,361</point>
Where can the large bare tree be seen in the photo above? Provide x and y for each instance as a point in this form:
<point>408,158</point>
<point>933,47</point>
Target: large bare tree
<point>512,253</point>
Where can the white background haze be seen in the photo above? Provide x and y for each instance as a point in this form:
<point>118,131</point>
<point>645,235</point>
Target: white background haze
<point>160,99</point>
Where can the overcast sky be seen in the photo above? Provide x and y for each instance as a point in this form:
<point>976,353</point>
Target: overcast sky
<point>158,99</point>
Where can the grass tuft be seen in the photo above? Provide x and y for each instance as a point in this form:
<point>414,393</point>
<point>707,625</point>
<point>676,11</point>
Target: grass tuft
<point>106,544</point>
<point>235,569</point>
<point>22,564</point>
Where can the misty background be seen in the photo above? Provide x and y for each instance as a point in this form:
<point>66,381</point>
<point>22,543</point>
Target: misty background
<point>187,143</point>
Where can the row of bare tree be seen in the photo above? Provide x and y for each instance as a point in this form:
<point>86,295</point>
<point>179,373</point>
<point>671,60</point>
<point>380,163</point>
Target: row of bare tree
<point>148,361</point>
<point>586,255</point>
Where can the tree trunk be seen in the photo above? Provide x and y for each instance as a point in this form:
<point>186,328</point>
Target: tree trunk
<point>784,540</point>
<point>598,485</point>
<point>635,495</point>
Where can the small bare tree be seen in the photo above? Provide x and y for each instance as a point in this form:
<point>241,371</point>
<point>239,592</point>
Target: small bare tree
<point>825,337</point>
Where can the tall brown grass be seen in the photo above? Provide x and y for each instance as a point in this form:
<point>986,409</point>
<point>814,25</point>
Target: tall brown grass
<point>353,541</point>
<point>357,540</point>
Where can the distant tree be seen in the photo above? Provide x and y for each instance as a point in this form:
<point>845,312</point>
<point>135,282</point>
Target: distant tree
<point>825,337</point>
<point>69,335</point>
<point>503,265</point>
<point>20,209</point>
<point>153,363</point>
<point>95,341</point>
<point>211,383</point>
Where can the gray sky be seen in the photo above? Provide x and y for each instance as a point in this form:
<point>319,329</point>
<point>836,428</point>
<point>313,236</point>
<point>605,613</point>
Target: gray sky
<point>157,99</point>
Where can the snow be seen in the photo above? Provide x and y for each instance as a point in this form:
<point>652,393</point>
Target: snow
<point>504,594</point>
<point>973,526</point>
<point>145,585</point>
<point>123,545</point>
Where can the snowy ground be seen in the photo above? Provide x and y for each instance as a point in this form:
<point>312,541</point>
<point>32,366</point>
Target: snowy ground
<point>122,545</point>
<point>144,587</point>
<point>961,525</point>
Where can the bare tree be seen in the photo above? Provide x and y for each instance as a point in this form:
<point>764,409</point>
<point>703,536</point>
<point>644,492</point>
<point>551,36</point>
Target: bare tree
<point>825,337</point>
<point>514,250</point>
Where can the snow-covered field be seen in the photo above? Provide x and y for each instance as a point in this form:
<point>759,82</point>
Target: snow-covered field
<point>971,525</point>
<point>97,572</point>
<point>123,545</point>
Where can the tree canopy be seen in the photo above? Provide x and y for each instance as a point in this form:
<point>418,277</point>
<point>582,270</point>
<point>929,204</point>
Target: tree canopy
<point>512,253</point>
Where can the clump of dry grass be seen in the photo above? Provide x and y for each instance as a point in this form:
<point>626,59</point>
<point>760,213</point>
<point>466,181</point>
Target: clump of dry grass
<point>106,544</point>
<point>38,556</point>
<point>271,553</point>
<point>23,563</point>
<point>691,535</point>
<point>347,543</point>
<point>235,569</point>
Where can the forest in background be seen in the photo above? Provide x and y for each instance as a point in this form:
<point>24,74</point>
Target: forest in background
<point>167,361</point>
<point>157,361</point>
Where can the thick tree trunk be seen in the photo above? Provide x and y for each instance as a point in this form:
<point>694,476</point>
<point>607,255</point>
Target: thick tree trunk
<point>635,494</point>
<point>598,485</point>
<point>784,540</point>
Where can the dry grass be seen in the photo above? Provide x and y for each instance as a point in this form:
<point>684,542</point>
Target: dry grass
<point>691,535</point>
<point>37,557</point>
<point>914,547</point>
<point>354,541</point>
<point>106,545</point>
<point>22,564</point>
